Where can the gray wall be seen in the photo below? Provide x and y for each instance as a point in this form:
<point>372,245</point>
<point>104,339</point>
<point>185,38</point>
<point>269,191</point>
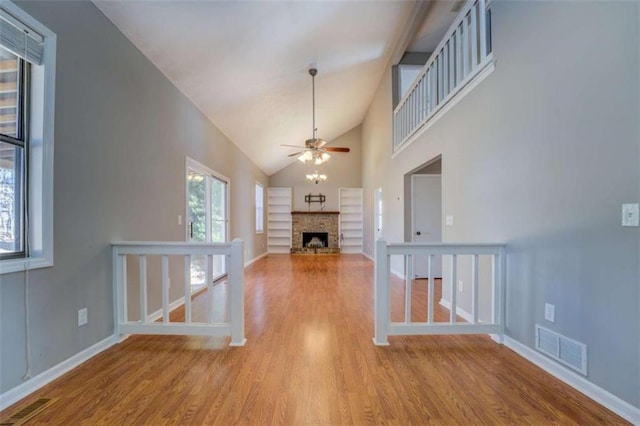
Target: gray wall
<point>122,132</point>
<point>343,170</point>
<point>541,155</point>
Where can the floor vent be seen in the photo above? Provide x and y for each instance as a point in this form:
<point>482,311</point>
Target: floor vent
<point>24,414</point>
<point>567,351</point>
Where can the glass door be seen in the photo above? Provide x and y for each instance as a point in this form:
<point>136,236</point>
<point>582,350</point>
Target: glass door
<point>206,220</point>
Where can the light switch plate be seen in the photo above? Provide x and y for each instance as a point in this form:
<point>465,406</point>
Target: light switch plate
<point>449,220</point>
<point>82,317</point>
<point>550,312</point>
<point>631,214</point>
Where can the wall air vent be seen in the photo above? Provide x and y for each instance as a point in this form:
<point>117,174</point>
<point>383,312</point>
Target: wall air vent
<point>567,351</point>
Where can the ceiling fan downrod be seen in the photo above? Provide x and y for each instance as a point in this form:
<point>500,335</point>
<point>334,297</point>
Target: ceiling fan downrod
<point>313,72</point>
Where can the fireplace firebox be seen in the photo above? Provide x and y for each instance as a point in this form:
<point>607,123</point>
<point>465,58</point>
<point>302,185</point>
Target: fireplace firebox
<point>315,239</point>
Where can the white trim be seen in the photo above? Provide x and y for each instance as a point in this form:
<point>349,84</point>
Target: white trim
<point>459,311</point>
<point>24,389</point>
<point>42,256</point>
<point>368,257</point>
<point>172,306</point>
<point>255,259</point>
<point>457,97</point>
<point>601,396</point>
<point>397,274</point>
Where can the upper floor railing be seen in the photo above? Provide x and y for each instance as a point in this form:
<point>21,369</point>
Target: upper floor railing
<point>412,302</point>
<point>463,53</point>
<point>233,306</point>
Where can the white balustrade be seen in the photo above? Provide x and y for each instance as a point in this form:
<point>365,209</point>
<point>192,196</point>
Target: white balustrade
<point>234,304</point>
<point>432,252</point>
<point>463,53</point>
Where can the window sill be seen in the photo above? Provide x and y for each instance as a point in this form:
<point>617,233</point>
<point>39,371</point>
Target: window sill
<point>17,265</point>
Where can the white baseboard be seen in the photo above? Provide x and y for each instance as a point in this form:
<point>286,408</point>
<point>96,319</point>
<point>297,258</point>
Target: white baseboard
<point>601,396</point>
<point>368,257</point>
<point>172,306</point>
<point>459,311</point>
<point>14,395</point>
<point>249,262</point>
<point>397,273</point>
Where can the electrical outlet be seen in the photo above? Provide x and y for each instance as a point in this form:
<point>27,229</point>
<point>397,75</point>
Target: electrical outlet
<point>82,317</point>
<point>179,219</point>
<point>549,312</point>
<point>449,220</point>
<point>460,285</point>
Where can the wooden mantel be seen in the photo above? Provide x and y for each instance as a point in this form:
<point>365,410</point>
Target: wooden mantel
<point>318,212</point>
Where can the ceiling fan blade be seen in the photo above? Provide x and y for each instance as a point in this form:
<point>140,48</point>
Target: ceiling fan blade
<point>336,149</point>
<point>294,146</point>
<point>295,154</point>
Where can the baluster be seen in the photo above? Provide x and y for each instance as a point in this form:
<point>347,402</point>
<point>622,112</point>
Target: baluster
<point>482,10</point>
<point>465,47</point>
<point>165,289</point>
<point>474,38</point>
<point>209,278</point>
<point>458,54</point>
<point>142,261</point>
<point>445,70</point>
<point>452,62</point>
<point>407,288</point>
<point>187,289</point>
<point>454,288</point>
<point>430,295</point>
<point>474,288</point>
<point>494,290</point>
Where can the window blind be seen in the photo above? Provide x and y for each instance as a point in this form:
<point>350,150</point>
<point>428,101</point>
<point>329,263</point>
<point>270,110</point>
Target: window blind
<point>20,39</point>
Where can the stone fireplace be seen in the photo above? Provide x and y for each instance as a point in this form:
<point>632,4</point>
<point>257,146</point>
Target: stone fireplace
<point>315,232</point>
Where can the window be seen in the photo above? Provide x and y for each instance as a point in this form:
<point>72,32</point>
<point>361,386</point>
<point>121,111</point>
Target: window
<point>259,209</point>
<point>13,86</point>
<point>27,78</point>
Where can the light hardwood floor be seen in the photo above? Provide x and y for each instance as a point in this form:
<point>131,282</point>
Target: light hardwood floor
<point>309,359</point>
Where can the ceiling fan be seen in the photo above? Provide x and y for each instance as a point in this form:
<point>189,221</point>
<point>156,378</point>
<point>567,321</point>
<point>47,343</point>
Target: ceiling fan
<point>314,149</point>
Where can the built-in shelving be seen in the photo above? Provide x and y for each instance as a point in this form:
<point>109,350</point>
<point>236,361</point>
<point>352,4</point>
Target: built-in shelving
<point>279,220</point>
<point>351,222</point>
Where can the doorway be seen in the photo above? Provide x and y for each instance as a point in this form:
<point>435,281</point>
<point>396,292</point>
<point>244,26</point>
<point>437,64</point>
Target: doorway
<point>426,220</point>
<point>207,219</point>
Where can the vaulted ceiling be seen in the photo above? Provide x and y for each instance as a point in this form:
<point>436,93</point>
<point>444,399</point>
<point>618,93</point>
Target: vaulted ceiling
<point>244,64</point>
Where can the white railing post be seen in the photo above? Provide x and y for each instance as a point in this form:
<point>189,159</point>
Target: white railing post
<point>119,290</point>
<point>236,293</point>
<point>382,293</point>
